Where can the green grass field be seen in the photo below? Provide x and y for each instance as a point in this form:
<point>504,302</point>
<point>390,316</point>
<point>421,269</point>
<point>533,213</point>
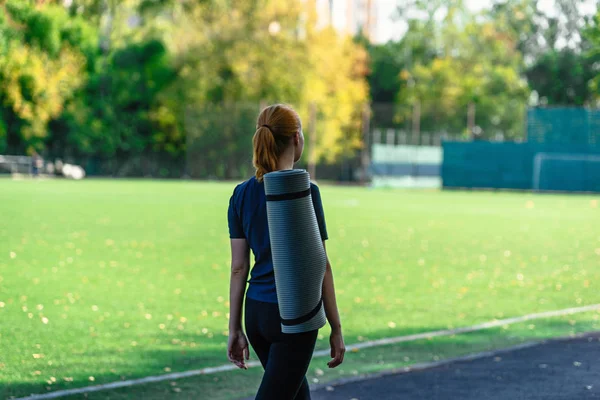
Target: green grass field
<point>106,280</point>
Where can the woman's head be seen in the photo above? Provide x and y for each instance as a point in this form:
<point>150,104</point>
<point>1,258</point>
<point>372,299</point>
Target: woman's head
<point>278,134</point>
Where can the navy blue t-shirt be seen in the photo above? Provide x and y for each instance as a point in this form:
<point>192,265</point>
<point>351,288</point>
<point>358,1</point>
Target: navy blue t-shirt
<point>247,217</point>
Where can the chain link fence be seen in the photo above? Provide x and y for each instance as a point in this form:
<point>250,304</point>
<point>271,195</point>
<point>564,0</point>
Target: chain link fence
<point>218,142</point>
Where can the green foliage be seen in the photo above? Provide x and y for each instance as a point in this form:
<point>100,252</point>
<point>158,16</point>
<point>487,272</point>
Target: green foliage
<point>561,77</point>
<point>591,34</point>
<point>335,84</point>
<point>557,68</point>
<point>116,79</point>
<point>483,60</point>
<point>522,19</point>
<point>35,88</point>
<point>477,63</point>
<point>386,62</point>
<point>247,54</point>
<point>50,28</point>
<point>39,72</point>
<point>115,115</point>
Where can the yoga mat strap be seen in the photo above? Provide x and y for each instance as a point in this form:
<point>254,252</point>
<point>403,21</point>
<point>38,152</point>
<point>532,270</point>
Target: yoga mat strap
<point>288,196</point>
<point>304,318</point>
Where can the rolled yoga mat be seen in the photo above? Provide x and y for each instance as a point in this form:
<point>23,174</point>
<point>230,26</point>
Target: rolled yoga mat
<point>299,259</point>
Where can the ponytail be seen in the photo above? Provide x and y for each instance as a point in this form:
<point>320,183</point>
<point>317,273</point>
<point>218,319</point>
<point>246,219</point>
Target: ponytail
<point>275,127</point>
<point>265,152</point>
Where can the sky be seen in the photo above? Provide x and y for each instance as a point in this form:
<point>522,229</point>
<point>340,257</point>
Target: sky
<point>388,29</point>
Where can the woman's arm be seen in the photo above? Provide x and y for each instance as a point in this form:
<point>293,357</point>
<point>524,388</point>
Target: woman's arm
<point>338,349</point>
<point>329,299</point>
<point>237,349</point>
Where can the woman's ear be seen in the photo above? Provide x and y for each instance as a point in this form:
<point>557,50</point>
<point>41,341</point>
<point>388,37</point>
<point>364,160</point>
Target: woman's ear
<point>297,138</point>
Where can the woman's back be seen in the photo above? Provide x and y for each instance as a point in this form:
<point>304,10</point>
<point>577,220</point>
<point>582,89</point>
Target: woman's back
<point>247,217</point>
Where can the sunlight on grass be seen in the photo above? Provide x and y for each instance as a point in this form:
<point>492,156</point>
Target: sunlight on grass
<point>111,280</point>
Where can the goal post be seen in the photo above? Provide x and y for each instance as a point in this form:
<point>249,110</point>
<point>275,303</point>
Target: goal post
<point>566,172</point>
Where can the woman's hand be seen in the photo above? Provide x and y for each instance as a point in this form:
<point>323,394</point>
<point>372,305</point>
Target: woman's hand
<point>338,349</point>
<point>237,349</point>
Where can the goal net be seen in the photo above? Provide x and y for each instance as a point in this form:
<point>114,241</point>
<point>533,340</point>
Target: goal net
<point>566,172</point>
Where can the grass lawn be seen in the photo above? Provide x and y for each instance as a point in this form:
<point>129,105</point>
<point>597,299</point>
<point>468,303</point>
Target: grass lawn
<point>105,280</point>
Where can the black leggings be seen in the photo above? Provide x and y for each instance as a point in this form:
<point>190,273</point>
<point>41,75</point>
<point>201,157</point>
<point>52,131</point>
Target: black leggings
<point>285,357</point>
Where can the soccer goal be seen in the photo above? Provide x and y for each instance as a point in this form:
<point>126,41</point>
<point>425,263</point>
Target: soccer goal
<point>16,165</point>
<point>566,172</point>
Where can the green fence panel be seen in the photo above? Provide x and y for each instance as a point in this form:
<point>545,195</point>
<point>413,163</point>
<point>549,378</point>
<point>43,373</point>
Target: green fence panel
<point>511,166</point>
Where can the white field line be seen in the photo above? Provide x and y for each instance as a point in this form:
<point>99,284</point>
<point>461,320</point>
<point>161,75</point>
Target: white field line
<point>320,353</point>
<point>466,329</point>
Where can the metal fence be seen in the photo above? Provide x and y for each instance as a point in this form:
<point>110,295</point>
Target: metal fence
<point>16,164</point>
<point>562,153</point>
<point>564,125</point>
<point>218,141</point>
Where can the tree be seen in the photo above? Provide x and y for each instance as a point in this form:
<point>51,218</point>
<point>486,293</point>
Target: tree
<point>384,74</point>
<point>335,83</point>
<point>231,56</point>
<point>388,61</point>
<point>111,79</point>
<point>40,70</point>
<point>273,53</point>
<point>526,23</point>
<point>591,33</point>
<point>557,68</point>
<point>476,65</point>
<point>537,31</point>
<point>561,77</point>
<point>118,113</point>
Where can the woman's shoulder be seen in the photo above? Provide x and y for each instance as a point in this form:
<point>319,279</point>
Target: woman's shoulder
<point>245,184</point>
<point>243,187</point>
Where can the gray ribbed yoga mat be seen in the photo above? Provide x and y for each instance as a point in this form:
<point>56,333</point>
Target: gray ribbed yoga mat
<point>299,259</point>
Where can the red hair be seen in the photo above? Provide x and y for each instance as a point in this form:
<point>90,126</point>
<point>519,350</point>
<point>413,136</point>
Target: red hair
<point>275,127</point>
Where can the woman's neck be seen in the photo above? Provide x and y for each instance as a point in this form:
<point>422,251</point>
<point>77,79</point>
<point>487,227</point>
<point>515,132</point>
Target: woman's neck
<point>286,161</point>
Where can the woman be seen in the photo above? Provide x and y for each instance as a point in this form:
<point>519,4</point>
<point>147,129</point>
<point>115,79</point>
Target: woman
<point>278,143</point>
